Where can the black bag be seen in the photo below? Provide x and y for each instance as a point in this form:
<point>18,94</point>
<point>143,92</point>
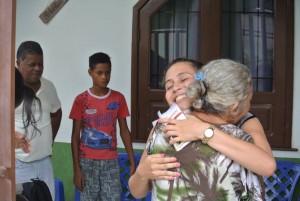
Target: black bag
<point>20,197</point>
<point>37,190</point>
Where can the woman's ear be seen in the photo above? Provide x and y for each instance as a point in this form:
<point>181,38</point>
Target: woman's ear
<point>234,107</point>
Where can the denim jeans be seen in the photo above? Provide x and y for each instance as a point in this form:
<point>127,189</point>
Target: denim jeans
<point>42,169</point>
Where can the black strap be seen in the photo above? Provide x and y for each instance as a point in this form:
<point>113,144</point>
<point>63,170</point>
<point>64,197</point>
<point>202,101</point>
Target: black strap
<point>245,118</point>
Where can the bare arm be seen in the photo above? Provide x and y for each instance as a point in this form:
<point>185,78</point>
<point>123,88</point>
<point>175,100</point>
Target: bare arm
<point>151,167</point>
<point>75,140</point>
<point>126,138</point>
<point>55,121</point>
<point>254,127</point>
<point>242,152</point>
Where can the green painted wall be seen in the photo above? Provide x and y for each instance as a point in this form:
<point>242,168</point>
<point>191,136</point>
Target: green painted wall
<point>63,167</point>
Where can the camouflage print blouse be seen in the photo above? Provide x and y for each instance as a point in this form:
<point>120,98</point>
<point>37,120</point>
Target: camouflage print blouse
<point>205,173</point>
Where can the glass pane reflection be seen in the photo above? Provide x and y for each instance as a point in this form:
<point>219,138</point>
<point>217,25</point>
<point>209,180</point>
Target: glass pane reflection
<point>248,37</point>
<point>174,33</point>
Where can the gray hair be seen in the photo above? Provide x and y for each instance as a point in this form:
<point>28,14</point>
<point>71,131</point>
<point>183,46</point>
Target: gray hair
<point>224,83</point>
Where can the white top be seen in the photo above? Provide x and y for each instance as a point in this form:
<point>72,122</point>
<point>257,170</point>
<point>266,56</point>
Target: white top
<point>41,142</point>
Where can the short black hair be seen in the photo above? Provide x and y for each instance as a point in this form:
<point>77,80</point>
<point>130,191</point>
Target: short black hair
<point>97,58</point>
<point>28,47</point>
<point>196,64</point>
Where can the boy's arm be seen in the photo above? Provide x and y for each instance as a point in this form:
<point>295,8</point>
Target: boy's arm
<point>75,140</point>
<point>126,138</point>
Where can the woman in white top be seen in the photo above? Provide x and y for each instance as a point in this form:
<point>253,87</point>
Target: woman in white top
<point>26,97</point>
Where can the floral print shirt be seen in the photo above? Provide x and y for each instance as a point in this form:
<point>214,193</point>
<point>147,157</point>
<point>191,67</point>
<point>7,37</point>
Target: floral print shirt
<point>206,174</point>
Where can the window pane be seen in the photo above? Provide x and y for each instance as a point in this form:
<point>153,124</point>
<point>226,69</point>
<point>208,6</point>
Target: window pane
<point>194,6</point>
<point>168,7</point>
<point>181,6</point>
<point>251,6</point>
<point>248,37</point>
<point>173,27</point>
<point>233,5</point>
<point>193,36</point>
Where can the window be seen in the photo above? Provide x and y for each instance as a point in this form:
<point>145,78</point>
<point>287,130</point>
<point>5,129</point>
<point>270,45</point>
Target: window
<point>258,33</point>
<point>248,37</point>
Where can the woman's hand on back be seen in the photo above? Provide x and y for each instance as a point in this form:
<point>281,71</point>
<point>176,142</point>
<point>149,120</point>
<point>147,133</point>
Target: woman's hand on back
<point>156,166</point>
<point>190,129</point>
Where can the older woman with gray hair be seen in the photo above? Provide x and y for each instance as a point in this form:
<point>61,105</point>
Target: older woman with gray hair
<point>222,88</point>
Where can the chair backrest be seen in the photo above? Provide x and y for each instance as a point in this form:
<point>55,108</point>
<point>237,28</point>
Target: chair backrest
<point>281,185</point>
<point>59,190</point>
<point>124,164</point>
